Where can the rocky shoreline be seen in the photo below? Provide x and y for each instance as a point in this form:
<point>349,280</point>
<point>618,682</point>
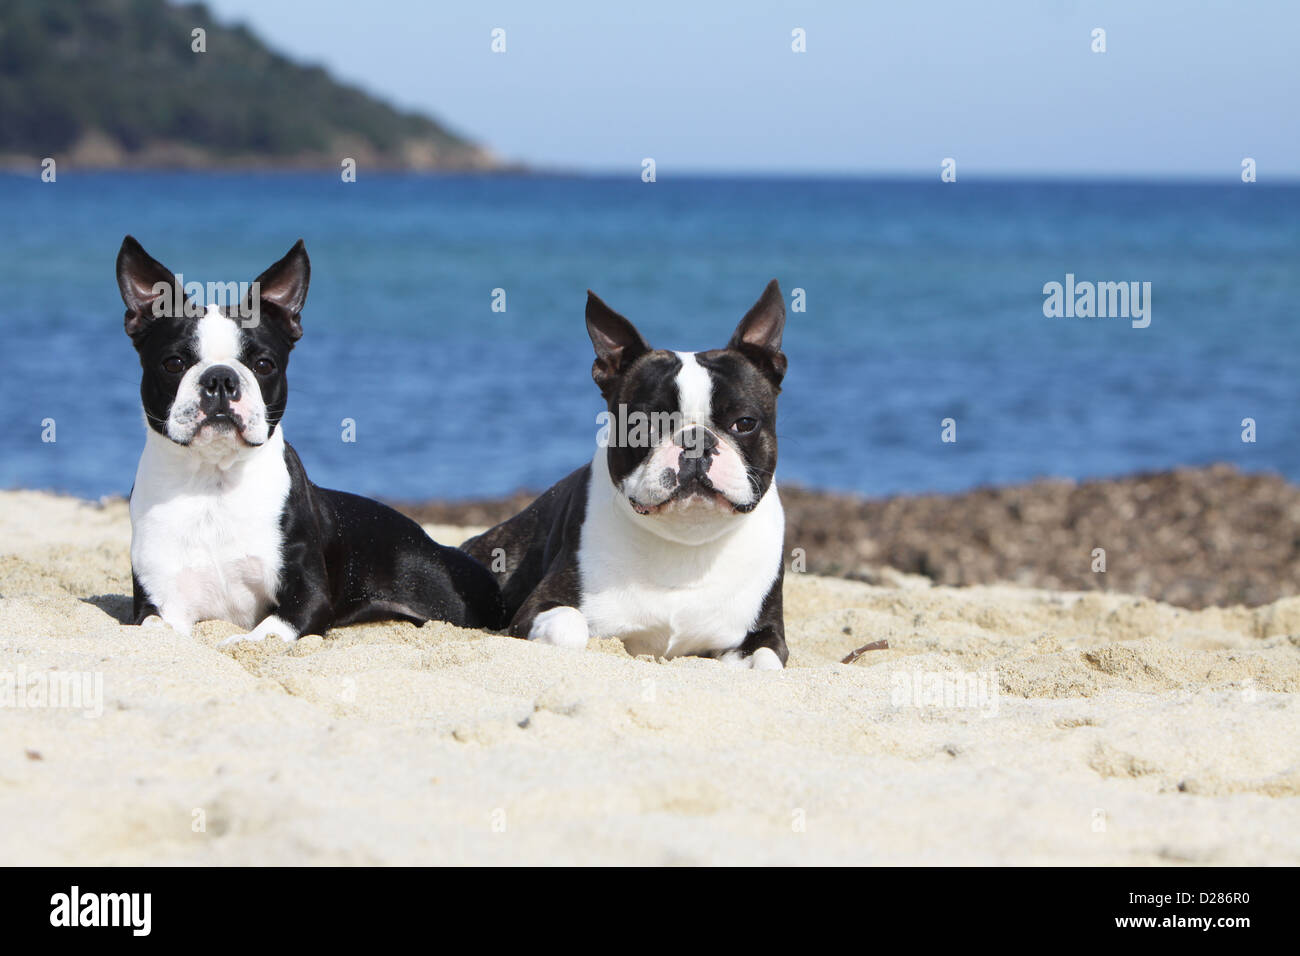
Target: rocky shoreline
<point>1193,537</point>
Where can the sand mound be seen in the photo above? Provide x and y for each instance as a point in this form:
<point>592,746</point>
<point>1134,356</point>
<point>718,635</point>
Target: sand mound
<point>1001,725</point>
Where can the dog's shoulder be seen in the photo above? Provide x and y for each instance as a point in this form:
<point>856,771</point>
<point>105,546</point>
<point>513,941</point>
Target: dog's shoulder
<point>543,525</point>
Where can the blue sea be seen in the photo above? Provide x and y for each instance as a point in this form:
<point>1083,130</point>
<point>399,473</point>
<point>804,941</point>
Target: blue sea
<point>923,302</point>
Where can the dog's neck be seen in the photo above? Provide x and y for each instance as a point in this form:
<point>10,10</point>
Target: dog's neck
<point>221,462</point>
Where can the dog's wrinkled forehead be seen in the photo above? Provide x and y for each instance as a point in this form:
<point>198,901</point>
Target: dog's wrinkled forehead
<point>699,385</point>
<point>651,384</point>
<point>736,380</point>
<point>224,334</point>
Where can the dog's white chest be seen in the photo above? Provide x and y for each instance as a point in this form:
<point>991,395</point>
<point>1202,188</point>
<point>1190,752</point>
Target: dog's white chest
<point>205,542</point>
<point>668,599</point>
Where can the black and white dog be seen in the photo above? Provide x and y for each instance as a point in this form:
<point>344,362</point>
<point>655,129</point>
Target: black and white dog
<point>671,539</point>
<point>224,522</point>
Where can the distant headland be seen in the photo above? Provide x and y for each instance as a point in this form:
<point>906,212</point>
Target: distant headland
<point>123,84</point>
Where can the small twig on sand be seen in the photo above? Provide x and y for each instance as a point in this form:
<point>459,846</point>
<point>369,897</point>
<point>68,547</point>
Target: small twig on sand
<point>873,646</point>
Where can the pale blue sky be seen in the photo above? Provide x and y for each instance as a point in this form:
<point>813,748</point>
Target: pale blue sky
<point>1007,87</point>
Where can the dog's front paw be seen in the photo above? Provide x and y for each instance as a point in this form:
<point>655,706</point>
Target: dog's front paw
<point>155,622</point>
<point>271,627</point>
<point>561,626</point>
<point>763,659</point>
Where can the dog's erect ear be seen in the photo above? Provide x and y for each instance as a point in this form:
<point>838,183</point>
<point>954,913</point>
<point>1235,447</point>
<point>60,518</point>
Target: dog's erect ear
<point>617,342</point>
<point>284,286</point>
<point>759,333</point>
<point>142,280</point>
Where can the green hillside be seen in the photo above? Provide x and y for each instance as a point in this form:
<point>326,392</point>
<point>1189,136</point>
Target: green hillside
<point>115,83</point>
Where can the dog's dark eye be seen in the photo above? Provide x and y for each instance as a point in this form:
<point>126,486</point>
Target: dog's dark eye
<point>173,365</point>
<point>264,366</point>
<point>743,426</point>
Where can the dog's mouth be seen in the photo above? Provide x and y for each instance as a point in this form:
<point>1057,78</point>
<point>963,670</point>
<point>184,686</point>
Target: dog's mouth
<point>699,493</point>
<point>219,426</point>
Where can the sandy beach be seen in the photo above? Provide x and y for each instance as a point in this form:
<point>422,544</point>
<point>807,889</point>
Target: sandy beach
<point>1003,724</point>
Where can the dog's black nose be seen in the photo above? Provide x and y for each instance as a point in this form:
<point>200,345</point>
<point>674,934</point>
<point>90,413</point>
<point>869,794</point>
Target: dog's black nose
<point>698,447</point>
<point>219,385</point>
<point>696,442</point>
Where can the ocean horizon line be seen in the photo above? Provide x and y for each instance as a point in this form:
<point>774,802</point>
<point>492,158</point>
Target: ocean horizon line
<point>1286,181</point>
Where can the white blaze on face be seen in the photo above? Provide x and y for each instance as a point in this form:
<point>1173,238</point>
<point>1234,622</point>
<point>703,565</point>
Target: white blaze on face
<point>694,391</point>
<point>217,341</point>
<point>726,470</point>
